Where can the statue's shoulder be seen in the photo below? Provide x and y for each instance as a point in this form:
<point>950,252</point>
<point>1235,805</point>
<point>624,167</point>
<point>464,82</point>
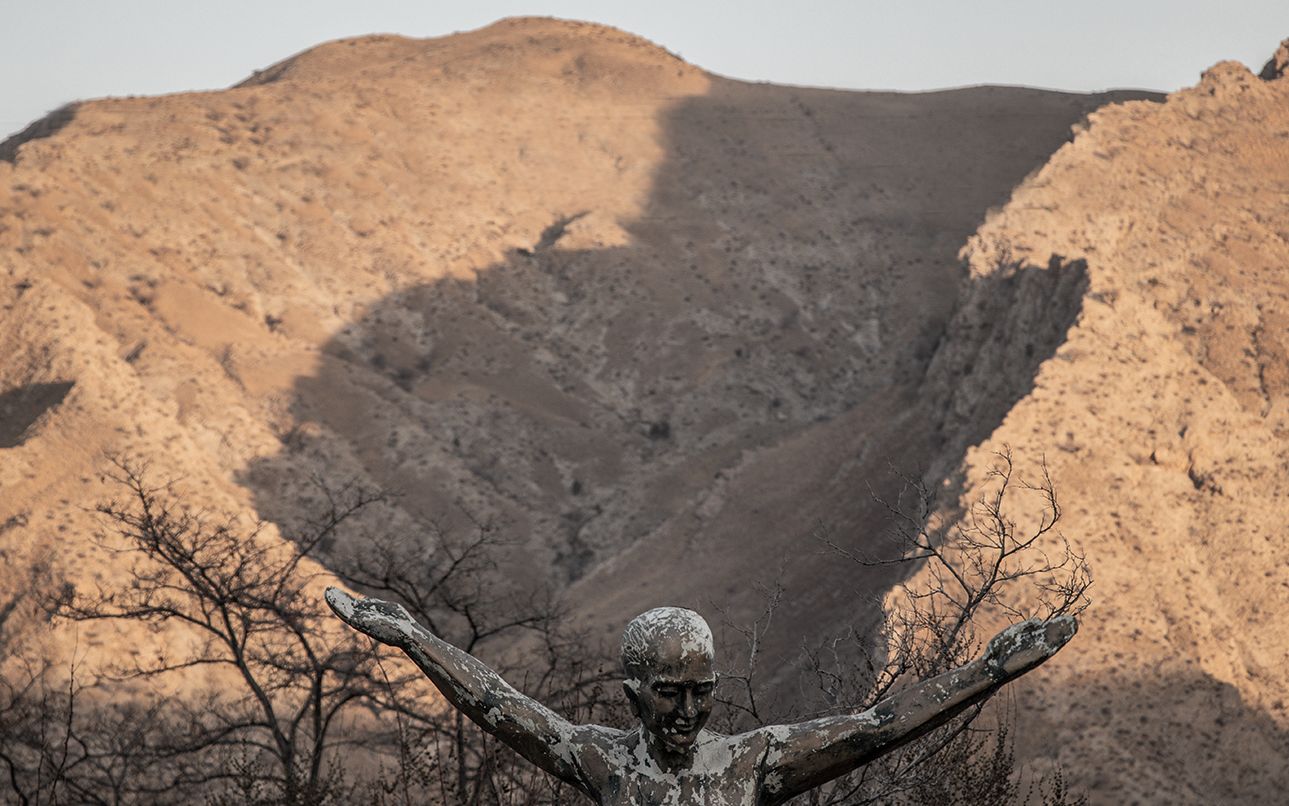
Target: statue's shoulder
<point>600,747</point>
<point>600,735</point>
<point>739,750</point>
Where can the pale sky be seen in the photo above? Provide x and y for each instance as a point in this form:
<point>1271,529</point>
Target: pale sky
<point>55,51</point>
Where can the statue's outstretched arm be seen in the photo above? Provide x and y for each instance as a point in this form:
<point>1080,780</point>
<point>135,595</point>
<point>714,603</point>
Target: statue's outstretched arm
<point>805,755</point>
<point>530,728</point>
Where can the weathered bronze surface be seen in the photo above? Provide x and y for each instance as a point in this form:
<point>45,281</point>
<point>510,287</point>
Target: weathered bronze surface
<point>671,759</point>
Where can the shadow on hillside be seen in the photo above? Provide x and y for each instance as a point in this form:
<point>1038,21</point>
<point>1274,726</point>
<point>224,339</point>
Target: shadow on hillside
<point>21,407</point>
<point>1212,746</point>
<point>667,421</point>
<point>47,126</point>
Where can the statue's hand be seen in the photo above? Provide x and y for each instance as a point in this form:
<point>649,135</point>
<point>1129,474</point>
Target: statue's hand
<point>386,622</point>
<point>1025,645</point>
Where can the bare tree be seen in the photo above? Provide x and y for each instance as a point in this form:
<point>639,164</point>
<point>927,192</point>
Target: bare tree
<point>56,745</point>
<point>61,741</point>
<point>249,600</point>
<point>957,567</point>
<point>268,732</point>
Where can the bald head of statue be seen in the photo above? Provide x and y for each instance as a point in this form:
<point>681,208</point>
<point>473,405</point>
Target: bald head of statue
<point>668,663</point>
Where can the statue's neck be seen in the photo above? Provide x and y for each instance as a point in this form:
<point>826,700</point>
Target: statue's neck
<point>666,757</point>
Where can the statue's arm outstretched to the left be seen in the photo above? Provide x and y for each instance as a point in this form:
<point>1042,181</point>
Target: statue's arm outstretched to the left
<point>530,728</point>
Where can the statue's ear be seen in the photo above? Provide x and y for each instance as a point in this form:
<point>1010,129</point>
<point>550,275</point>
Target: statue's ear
<point>629,688</point>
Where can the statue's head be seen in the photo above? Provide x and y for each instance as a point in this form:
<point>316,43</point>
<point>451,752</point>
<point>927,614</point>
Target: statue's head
<point>667,655</point>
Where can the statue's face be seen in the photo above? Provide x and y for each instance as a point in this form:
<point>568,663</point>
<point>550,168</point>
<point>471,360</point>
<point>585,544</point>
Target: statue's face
<point>675,699</point>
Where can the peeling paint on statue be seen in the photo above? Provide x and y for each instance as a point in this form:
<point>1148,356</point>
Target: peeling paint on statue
<point>671,759</point>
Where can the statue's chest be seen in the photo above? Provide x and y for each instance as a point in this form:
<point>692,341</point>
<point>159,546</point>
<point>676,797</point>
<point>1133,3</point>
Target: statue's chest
<point>715,788</point>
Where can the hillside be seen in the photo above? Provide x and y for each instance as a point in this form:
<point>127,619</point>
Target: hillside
<point>657,324</point>
<point>1163,416</point>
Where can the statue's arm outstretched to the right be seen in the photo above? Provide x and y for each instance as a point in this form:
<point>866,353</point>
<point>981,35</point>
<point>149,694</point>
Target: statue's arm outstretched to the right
<point>530,728</point>
<point>805,755</point>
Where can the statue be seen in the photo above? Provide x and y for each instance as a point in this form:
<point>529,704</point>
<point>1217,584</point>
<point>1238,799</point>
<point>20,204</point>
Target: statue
<point>671,759</point>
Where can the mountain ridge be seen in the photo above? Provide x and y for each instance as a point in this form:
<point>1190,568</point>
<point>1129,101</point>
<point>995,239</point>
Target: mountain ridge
<point>650,320</point>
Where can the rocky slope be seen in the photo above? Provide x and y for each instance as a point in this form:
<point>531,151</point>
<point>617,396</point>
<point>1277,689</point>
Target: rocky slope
<point>1164,418</point>
<point>656,324</point>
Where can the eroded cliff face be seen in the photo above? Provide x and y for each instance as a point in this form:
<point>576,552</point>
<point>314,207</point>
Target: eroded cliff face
<point>657,324</point>
<point>1163,418</point>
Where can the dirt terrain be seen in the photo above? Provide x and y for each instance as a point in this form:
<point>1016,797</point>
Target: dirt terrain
<point>658,324</point>
<point>1164,417</point>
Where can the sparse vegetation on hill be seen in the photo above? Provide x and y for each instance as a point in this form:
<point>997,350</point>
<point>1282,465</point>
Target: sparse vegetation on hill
<point>370,262</point>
